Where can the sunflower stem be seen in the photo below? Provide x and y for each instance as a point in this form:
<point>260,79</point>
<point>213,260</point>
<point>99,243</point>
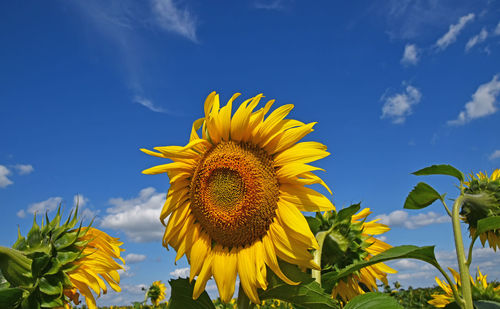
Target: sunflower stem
<point>445,207</point>
<point>459,245</point>
<point>320,238</point>
<point>469,256</point>
<point>243,301</point>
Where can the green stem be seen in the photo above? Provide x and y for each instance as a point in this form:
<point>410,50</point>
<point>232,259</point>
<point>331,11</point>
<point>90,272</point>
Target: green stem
<point>459,245</point>
<point>243,302</point>
<point>320,237</point>
<point>446,207</point>
<point>469,256</point>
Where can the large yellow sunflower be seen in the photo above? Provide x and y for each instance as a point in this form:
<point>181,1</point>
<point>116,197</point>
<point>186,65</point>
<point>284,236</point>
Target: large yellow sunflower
<point>96,267</point>
<point>481,290</point>
<point>236,194</point>
<point>472,212</point>
<point>349,287</point>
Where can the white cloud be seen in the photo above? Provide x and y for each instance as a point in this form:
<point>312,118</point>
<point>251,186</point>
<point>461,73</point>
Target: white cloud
<point>4,180</point>
<point>451,36</point>
<point>134,258</point>
<point>270,5</point>
<point>80,200</point>
<point>45,206</point>
<point>137,217</point>
<point>497,29</point>
<point>495,155</point>
<point>125,272</point>
<point>170,18</point>
<point>399,106</point>
<point>400,218</point>
<point>24,169</point>
<point>180,272</point>
<point>410,55</point>
<point>478,38</point>
<point>21,213</point>
<point>483,103</point>
<point>147,103</point>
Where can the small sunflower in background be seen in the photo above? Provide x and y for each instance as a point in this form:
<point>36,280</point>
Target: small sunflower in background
<point>236,195</point>
<point>481,290</point>
<point>56,263</point>
<point>156,292</point>
<point>350,240</point>
<point>486,203</point>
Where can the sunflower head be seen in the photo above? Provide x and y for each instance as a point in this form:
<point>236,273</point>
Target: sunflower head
<point>64,262</point>
<point>483,200</point>
<point>481,290</point>
<point>236,192</point>
<point>156,292</point>
<point>350,240</point>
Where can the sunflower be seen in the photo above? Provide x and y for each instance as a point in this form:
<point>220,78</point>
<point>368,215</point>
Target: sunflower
<point>366,246</point>
<point>488,204</point>
<point>236,195</point>
<point>481,290</point>
<point>96,267</point>
<point>156,292</point>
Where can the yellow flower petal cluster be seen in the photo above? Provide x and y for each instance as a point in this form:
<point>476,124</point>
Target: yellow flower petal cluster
<point>480,287</point>
<point>96,267</point>
<point>349,287</point>
<point>236,195</point>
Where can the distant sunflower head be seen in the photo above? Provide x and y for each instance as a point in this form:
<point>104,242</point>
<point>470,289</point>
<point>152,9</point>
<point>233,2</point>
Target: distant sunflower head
<point>481,290</point>
<point>69,262</point>
<point>236,192</point>
<point>351,240</point>
<point>156,292</point>
<point>483,201</point>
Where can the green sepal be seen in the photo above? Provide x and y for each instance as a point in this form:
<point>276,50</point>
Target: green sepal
<point>421,196</point>
<point>51,301</point>
<point>441,169</point>
<point>15,267</point>
<point>39,262</point>
<point>373,300</point>
<point>50,286</point>
<point>314,224</point>
<point>345,215</point>
<point>488,224</point>
<point>11,297</point>
<point>20,243</point>
<point>34,237</point>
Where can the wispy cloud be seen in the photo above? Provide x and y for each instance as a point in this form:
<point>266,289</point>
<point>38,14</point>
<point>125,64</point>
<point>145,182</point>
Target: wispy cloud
<point>132,258</point>
<point>497,29</point>
<point>483,103</point>
<point>410,55</point>
<point>52,203</point>
<point>478,38</point>
<point>495,155</point>
<point>4,179</point>
<point>401,218</point>
<point>24,169</point>
<point>277,5</point>
<point>399,106</point>
<point>173,19</point>
<point>148,104</point>
<point>45,206</point>
<point>454,30</point>
<point>137,217</point>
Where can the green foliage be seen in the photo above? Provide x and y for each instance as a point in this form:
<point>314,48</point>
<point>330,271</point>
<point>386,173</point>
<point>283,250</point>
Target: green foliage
<point>373,301</point>
<point>442,169</point>
<point>182,296</point>
<point>421,196</point>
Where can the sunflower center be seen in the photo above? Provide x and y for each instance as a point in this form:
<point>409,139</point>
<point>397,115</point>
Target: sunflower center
<point>234,192</point>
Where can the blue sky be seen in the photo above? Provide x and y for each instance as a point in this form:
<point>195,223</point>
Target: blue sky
<point>394,85</point>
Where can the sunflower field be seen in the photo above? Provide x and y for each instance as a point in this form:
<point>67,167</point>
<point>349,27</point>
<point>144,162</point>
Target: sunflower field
<point>240,209</point>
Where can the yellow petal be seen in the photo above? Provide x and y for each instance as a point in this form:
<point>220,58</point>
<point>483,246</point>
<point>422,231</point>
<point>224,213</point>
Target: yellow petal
<point>224,269</point>
<point>305,199</point>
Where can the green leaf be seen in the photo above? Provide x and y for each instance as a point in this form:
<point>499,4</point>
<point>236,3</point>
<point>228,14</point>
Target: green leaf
<point>15,267</point>
<point>373,301</point>
<point>308,293</point>
<point>425,254</point>
<point>50,286</point>
<point>10,297</point>
<point>421,196</point>
<point>452,305</point>
<point>442,169</point>
<point>182,296</point>
<point>51,301</point>
<point>346,213</point>
<point>488,224</point>
<point>486,304</point>
<point>314,224</point>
